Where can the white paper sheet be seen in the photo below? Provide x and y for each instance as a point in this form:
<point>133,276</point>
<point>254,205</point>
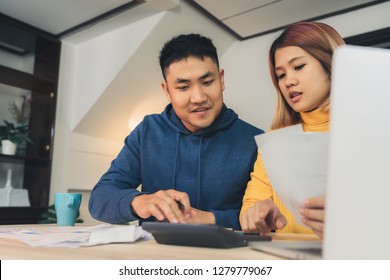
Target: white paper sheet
<point>296,164</point>
<point>75,236</point>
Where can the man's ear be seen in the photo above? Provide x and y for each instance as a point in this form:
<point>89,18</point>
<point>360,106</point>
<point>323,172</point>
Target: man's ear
<point>164,86</point>
<point>222,77</point>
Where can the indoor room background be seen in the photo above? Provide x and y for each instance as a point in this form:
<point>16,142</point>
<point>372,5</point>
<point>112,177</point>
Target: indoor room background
<point>110,79</point>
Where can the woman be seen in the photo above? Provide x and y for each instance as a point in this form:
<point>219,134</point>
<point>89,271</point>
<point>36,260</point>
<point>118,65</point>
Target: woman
<point>300,62</point>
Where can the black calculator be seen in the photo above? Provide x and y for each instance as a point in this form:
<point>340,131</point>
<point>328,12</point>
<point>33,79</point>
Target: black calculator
<point>199,235</point>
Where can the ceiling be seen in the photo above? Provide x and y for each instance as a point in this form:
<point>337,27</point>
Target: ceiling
<point>244,19</point>
<point>249,18</point>
<point>62,16</point>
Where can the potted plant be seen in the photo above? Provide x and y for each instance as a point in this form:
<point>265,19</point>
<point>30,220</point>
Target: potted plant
<point>10,134</point>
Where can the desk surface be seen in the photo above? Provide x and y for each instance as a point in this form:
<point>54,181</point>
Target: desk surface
<point>140,250</point>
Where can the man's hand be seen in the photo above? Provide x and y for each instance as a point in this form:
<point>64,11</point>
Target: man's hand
<point>263,217</point>
<point>163,205</point>
<point>313,214</point>
<point>201,217</point>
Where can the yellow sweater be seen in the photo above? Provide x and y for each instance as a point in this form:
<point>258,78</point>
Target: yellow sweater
<point>259,187</point>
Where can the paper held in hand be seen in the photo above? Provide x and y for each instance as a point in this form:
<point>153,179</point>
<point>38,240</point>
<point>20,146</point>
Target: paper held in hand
<point>296,164</point>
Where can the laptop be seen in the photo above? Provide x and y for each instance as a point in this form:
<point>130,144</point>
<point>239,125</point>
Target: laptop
<point>358,182</point>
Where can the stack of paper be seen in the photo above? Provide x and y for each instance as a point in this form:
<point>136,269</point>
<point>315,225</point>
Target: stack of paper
<point>296,164</point>
<point>76,236</point>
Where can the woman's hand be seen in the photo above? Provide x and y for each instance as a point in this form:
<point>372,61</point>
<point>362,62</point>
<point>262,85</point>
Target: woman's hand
<point>313,214</point>
<point>262,217</point>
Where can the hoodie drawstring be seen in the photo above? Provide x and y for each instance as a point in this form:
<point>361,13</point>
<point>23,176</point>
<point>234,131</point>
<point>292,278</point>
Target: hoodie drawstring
<point>176,161</point>
<point>200,159</point>
<point>177,155</point>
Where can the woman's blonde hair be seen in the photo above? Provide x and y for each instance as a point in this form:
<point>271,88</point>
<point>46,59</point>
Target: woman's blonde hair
<point>316,38</point>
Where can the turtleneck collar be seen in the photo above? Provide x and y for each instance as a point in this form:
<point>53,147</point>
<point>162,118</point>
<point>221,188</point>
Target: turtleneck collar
<point>316,121</point>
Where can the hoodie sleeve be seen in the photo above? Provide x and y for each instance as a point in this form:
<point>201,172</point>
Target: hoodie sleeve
<point>227,218</point>
<point>111,197</point>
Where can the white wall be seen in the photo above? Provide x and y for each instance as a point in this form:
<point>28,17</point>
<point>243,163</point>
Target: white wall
<point>80,158</point>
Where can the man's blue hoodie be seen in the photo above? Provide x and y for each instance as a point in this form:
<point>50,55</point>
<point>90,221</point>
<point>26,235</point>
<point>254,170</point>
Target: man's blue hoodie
<point>212,166</point>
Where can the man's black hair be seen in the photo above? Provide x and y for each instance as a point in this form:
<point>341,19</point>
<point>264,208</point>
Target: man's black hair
<point>182,46</point>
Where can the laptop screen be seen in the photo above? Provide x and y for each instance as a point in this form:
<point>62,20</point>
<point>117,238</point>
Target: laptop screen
<point>358,187</point>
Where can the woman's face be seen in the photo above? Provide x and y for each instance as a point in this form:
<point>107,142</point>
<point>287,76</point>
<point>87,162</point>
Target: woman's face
<point>301,78</point>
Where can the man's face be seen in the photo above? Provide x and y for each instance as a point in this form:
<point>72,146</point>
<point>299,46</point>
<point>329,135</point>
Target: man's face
<point>194,87</point>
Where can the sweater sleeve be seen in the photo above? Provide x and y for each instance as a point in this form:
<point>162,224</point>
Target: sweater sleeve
<point>112,195</point>
<point>259,186</point>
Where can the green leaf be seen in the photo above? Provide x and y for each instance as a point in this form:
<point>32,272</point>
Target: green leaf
<point>14,133</point>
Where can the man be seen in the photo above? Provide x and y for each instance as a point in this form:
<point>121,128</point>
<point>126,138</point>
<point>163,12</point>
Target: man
<point>193,160</point>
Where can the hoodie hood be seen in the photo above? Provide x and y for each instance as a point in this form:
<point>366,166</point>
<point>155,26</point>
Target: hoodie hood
<point>225,118</point>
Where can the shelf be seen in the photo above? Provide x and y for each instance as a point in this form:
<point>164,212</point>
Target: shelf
<point>25,47</point>
<point>24,80</point>
<point>20,215</point>
<point>9,158</point>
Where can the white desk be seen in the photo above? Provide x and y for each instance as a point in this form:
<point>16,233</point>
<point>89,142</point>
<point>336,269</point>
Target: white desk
<point>141,250</point>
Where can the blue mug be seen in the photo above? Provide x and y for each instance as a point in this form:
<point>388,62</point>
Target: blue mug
<point>67,206</point>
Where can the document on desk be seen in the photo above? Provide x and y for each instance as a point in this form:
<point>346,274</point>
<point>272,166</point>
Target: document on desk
<point>75,236</point>
<point>296,164</point>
